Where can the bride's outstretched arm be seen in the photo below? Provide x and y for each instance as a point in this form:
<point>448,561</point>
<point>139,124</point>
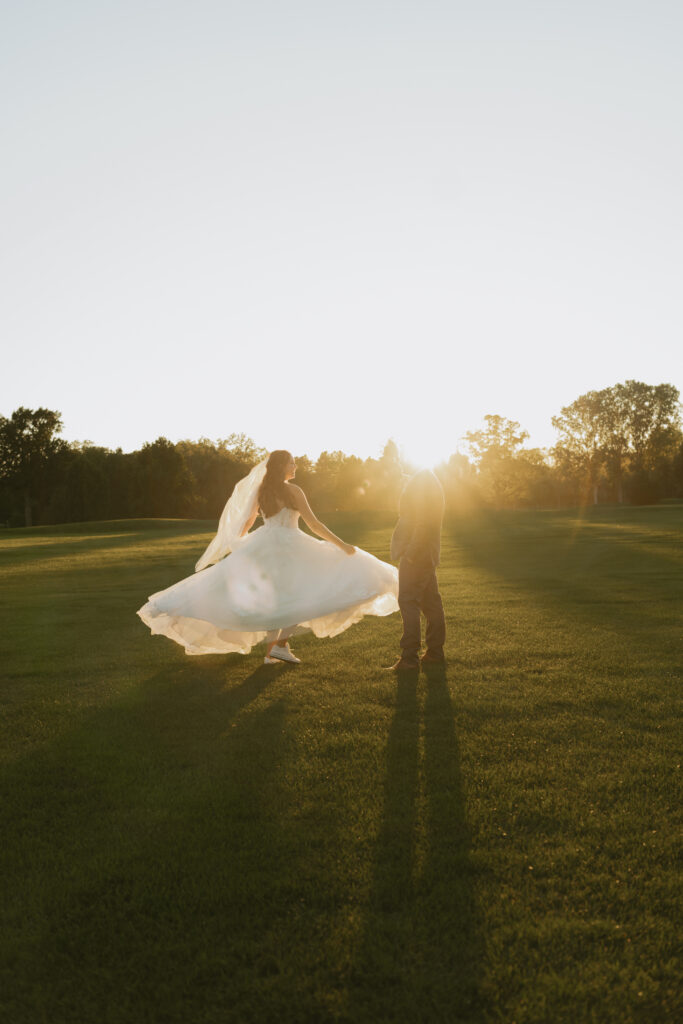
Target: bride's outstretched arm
<point>314,524</point>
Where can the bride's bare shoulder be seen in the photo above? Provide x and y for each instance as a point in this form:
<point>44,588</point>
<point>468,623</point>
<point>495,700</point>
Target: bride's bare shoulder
<point>296,492</point>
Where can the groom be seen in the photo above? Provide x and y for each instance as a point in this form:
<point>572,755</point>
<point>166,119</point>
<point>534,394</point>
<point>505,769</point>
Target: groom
<point>416,545</point>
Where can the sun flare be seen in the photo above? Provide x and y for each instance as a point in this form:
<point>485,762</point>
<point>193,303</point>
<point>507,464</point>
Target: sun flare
<point>422,452</point>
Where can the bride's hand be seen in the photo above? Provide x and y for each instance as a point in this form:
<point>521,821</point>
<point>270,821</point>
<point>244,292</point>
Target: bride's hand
<point>349,549</point>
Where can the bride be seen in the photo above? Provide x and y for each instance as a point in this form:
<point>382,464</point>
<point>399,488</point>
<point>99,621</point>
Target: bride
<point>278,581</point>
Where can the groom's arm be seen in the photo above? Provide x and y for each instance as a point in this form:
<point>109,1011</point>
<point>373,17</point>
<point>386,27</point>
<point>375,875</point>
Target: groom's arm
<point>400,539</point>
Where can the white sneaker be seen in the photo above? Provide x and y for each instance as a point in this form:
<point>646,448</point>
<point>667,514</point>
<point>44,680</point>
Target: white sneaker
<point>270,661</point>
<point>278,653</point>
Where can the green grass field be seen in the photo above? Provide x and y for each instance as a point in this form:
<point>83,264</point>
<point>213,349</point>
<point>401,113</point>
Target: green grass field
<point>208,840</point>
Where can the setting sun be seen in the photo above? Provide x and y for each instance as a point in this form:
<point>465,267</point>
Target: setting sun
<point>423,451</point>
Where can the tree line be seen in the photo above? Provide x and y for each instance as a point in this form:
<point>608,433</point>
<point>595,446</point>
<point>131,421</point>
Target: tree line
<point>621,444</point>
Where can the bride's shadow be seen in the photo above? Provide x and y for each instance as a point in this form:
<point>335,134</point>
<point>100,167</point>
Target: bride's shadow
<point>169,796</point>
<point>202,688</point>
<point>420,946</point>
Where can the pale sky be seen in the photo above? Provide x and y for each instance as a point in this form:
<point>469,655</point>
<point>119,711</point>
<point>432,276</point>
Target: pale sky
<point>326,224</point>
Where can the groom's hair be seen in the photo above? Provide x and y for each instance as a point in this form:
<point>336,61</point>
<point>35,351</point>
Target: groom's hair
<point>422,498</point>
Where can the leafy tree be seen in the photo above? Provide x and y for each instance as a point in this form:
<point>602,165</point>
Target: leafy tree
<point>530,482</point>
<point>579,453</point>
<point>630,429</point>
<point>215,468</point>
<point>677,473</point>
<point>652,415</point>
<point>495,451</point>
<point>242,448</point>
<point>384,478</point>
<point>327,473</point>
<point>306,479</point>
<point>351,483</point>
<point>85,485</point>
<point>501,439</point>
<point>652,421</point>
<point>458,478</point>
<point>214,473</point>
<point>165,485</point>
<point>29,449</point>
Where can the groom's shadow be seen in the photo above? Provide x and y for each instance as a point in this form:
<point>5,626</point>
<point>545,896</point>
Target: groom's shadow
<point>420,948</point>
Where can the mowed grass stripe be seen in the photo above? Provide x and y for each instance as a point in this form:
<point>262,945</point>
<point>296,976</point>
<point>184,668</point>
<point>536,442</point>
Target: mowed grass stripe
<point>209,839</point>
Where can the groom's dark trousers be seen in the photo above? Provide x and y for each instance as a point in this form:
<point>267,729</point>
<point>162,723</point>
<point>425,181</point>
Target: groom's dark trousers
<point>416,545</point>
<point>418,591</point>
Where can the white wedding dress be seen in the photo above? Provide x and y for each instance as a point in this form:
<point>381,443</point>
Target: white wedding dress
<point>278,577</point>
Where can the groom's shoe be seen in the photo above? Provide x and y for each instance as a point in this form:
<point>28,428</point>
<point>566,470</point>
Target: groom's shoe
<point>403,666</point>
<point>282,654</point>
<point>432,659</point>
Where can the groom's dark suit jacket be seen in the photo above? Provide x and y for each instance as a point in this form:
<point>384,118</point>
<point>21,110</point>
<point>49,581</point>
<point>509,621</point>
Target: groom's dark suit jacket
<point>417,535</point>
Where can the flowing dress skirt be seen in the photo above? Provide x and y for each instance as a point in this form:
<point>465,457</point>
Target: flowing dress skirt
<point>277,578</point>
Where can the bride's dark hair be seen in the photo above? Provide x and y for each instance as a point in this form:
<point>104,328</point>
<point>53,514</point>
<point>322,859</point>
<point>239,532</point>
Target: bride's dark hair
<point>273,493</point>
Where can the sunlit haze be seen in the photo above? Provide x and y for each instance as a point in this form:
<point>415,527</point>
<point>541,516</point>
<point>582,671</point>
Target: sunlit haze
<point>325,224</point>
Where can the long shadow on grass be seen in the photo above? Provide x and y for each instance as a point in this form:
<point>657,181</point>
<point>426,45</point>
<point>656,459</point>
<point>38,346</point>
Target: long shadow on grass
<point>71,547</point>
<point>596,576</point>
<point>145,856</point>
<point>420,954</point>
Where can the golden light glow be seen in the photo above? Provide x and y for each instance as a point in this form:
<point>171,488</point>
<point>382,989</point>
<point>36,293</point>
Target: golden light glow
<point>423,451</point>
